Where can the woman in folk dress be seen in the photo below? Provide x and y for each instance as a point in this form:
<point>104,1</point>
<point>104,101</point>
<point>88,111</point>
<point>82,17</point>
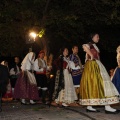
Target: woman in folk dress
<point>116,75</point>
<point>96,87</point>
<point>26,86</point>
<point>64,87</point>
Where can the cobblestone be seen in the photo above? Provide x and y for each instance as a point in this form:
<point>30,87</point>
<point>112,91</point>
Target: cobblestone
<point>16,111</point>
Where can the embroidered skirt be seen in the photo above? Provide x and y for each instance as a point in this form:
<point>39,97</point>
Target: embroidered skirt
<point>96,87</point>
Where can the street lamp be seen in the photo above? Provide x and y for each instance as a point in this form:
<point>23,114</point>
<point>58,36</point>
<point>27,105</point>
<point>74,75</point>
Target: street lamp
<point>33,34</point>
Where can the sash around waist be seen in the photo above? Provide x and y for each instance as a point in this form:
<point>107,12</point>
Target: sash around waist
<point>41,72</point>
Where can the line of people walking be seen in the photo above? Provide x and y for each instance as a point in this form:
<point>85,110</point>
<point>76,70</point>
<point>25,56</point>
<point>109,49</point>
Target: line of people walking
<point>88,85</point>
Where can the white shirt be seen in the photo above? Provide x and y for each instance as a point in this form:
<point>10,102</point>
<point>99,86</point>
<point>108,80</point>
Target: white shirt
<point>12,72</point>
<point>36,67</point>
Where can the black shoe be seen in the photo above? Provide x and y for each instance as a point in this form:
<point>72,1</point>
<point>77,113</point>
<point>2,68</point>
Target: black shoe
<point>110,112</point>
<point>43,101</point>
<point>87,110</point>
<point>118,111</point>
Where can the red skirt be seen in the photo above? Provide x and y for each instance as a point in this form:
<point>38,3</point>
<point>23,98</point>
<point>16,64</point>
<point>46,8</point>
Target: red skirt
<point>24,89</point>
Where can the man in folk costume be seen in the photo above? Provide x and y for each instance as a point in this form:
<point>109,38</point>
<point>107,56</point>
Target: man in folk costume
<point>40,68</point>
<point>76,67</point>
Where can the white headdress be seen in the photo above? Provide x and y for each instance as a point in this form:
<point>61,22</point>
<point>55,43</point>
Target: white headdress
<point>28,61</point>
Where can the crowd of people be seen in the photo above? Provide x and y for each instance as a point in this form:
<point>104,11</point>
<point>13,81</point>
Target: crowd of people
<point>89,85</point>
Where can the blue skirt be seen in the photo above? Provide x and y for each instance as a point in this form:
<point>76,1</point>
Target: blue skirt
<point>116,79</point>
<point>76,80</point>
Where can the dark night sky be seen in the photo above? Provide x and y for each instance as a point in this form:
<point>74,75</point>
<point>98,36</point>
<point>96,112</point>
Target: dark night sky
<point>63,20</point>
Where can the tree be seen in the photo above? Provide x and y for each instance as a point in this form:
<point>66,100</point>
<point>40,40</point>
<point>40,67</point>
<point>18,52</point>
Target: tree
<point>64,22</point>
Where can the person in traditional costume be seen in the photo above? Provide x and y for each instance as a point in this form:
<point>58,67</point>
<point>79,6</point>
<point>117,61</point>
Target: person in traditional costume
<point>4,80</point>
<point>8,95</point>
<point>96,87</point>
<point>14,72</point>
<point>76,68</point>
<point>111,73</point>
<point>26,86</point>
<point>40,68</point>
<point>64,91</point>
<point>116,75</point>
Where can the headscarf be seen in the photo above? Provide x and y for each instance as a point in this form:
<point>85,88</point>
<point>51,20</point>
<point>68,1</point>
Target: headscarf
<point>28,61</point>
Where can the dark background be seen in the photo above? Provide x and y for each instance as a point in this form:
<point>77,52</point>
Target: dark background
<point>65,22</point>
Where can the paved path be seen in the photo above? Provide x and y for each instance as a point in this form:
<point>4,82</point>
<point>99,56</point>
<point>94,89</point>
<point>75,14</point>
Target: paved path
<point>16,111</point>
